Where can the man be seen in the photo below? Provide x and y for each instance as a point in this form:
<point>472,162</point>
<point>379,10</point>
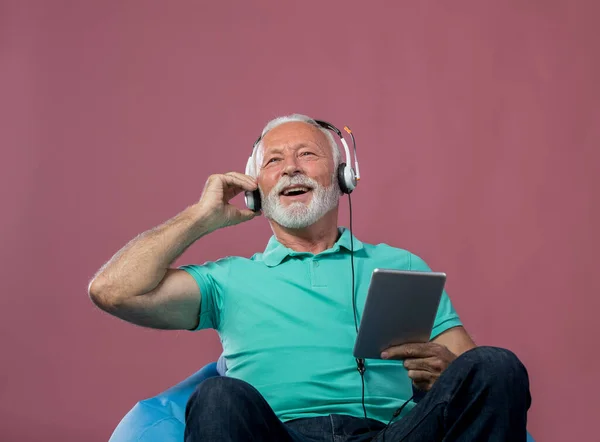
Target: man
<point>286,320</point>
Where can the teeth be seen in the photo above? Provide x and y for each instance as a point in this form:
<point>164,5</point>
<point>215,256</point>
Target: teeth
<point>295,189</point>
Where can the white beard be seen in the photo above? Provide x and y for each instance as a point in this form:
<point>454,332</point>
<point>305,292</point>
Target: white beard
<point>298,215</point>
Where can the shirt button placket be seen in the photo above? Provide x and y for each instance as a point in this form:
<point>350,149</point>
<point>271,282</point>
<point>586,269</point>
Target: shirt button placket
<point>318,278</point>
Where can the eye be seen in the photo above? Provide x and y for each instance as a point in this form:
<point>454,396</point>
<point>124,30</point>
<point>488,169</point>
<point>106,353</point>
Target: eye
<point>272,160</point>
<point>303,154</point>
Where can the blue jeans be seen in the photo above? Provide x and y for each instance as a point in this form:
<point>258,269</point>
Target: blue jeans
<point>482,396</point>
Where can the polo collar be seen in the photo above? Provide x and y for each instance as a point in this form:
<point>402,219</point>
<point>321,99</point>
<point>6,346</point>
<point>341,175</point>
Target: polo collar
<point>275,252</point>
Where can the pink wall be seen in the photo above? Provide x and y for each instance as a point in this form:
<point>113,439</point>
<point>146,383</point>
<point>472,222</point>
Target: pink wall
<point>478,126</point>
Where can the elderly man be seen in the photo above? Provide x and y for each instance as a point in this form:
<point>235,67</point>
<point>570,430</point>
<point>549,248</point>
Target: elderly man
<point>286,319</point>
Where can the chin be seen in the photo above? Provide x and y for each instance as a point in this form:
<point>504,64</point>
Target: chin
<point>297,219</point>
<point>283,202</point>
<point>295,205</point>
<point>295,210</point>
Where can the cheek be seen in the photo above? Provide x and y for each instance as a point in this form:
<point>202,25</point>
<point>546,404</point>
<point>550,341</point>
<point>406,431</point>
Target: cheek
<point>266,183</point>
<point>324,175</point>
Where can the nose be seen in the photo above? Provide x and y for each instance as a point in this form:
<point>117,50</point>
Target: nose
<point>291,166</point>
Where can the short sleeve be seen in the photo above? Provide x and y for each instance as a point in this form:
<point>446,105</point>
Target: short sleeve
<point>210,278</point>
<point>446,317</point>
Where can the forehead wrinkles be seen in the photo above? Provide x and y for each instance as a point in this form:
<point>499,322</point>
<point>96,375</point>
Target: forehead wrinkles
<point>262,150</point>
<point>319,139</point>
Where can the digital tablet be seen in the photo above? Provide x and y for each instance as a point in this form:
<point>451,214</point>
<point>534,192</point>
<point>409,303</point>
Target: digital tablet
<point>400,308</point>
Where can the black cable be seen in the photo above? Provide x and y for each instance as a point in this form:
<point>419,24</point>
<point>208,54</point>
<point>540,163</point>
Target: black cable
<point>352,263</point>
<point>360,363</point>
<point>394,416</point>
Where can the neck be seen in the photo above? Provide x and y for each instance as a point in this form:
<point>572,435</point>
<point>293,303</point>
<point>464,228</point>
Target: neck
<point>314,239</point>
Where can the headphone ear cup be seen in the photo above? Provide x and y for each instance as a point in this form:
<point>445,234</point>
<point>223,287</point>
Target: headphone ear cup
<point>341,174</point>
<point>346,178</point>
<point>253,200</point>
<point>252,197</point>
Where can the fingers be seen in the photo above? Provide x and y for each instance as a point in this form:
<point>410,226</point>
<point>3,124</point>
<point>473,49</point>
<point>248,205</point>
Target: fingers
<point>423,380</point>
<point>424,362</point>
<point>431,365</point>
<point>246,182</point>
<point>410,351</point>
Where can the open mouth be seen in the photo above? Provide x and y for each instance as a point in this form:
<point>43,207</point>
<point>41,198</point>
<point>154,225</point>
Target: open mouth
<point>295,191</point>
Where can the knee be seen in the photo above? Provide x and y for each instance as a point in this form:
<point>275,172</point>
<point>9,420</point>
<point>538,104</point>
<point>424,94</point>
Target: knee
<point>218,404</point>
<point>220,397</point>
<point>495,367</point>
<point>221,390</point>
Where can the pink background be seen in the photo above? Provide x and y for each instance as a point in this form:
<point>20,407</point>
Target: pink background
<point>478,126</point>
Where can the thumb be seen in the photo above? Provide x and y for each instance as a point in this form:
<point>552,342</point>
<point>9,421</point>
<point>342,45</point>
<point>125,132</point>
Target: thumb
<point>247,214</point>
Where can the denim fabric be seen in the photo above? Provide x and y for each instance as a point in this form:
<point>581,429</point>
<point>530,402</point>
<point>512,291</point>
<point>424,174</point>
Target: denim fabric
<point>482,396</point>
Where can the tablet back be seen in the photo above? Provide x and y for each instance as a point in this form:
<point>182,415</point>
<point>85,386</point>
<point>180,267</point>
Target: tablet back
<point>400,308</point>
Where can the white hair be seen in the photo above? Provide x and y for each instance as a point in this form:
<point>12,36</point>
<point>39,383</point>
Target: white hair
<point>257,155</point>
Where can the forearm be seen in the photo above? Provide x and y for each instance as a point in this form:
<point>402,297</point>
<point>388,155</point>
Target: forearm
<point>141,265</point>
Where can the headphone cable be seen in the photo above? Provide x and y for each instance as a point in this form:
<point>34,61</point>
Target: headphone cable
<point>394,416</point>
<point>360,363</point>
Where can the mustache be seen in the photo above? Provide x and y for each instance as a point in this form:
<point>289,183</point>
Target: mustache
<point>296,180</point>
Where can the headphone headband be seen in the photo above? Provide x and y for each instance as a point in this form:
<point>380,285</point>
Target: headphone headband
<point>322,123</point>
<point>326,125</point>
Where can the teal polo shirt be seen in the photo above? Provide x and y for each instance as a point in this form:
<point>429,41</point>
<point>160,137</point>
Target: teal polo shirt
<point>285,320</point>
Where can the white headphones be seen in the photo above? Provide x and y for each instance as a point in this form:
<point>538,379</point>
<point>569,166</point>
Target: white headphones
<point>347,176</point>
